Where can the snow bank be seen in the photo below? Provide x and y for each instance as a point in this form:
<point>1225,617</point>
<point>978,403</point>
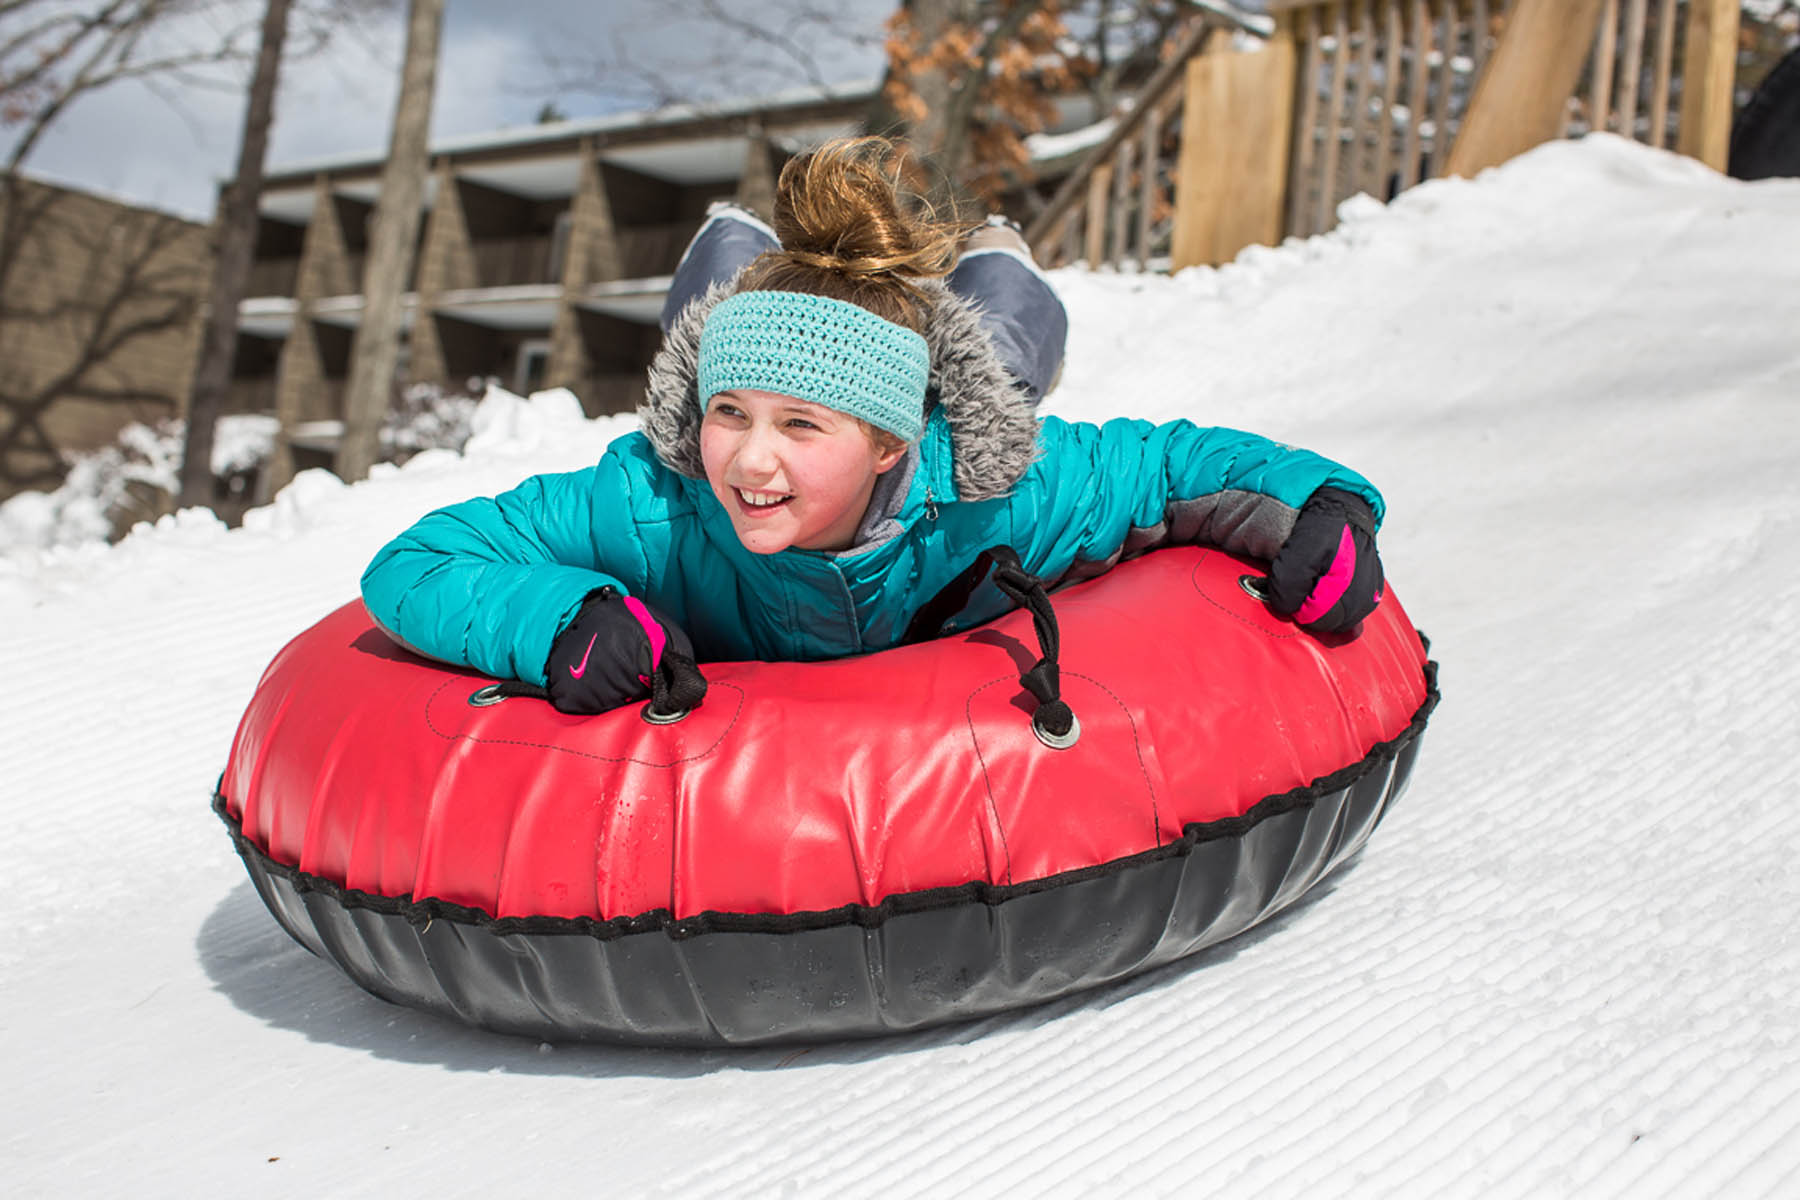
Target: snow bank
<point>1564,966</point>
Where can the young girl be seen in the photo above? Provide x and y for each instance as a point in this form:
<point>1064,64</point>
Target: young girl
<point>831,436</point>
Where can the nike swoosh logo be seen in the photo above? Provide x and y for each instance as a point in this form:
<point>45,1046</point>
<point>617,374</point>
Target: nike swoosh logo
<point>578,672</point>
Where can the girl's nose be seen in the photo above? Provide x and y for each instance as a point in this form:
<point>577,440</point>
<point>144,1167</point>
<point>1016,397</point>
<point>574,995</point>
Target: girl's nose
<point>757,451</point>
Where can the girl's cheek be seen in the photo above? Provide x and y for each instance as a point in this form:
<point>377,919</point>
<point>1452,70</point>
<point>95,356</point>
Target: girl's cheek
<point>714,448</point>
<point>713,456</point>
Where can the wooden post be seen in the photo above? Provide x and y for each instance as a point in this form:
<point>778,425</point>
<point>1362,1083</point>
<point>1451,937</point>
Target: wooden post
<point>1359,99</point>
<point>1631,67</point>
<point>1231,180</point>
<point>1708,73</point>
<point>1121,205</point>
<point>1665,69</point>
<point>1393,53</point>
<point>1099,189</point>
<point>1149,158</point>
<point>1305,146</point>
<point>1522,99</point>
<point>1417,93</point>
<point>1482,29</point>
<point>1326,215</point>
<point>1605,58</point>
<point>1440,105</point>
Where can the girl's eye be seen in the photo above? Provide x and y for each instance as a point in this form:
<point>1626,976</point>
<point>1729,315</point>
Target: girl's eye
<point>723,410</point>
<point>800,423</point>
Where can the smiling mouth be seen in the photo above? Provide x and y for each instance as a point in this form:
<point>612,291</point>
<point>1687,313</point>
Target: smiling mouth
<point>761,502</point>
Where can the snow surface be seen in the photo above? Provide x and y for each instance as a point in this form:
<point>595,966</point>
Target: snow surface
<point>98,481</point>
<point>1566,965</point>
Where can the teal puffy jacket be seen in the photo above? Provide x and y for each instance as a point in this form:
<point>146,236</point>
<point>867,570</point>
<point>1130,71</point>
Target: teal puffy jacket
<point>491,582</point>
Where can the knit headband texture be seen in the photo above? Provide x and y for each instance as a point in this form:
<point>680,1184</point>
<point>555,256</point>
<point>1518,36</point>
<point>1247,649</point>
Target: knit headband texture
<point>829,352</point>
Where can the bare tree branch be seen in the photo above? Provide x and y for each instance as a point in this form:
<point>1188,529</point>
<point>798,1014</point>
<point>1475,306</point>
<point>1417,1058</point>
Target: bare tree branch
<point>60,53</point>
<point>782,40</point>
<point>728,53</point>
<point>124,290</point>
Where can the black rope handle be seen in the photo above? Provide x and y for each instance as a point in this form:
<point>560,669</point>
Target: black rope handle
<point>1054,721</point>
<point>676,689</point>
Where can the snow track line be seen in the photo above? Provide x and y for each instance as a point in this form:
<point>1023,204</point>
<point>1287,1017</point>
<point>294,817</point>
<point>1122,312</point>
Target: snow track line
<point>1564,965</point>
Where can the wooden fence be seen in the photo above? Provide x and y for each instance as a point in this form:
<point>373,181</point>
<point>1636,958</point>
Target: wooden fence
<point>1342,97</point>
<point>1389,83</point>
<point>1116,207</point>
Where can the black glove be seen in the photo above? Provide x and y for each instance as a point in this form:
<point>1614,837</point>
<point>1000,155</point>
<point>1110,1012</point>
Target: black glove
<point>611,653</point>
<point>1327,576</point>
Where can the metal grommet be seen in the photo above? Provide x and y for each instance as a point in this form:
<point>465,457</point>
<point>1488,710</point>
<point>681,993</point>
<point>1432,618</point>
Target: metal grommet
<point>649,713</point>
<point>1255,587</point>
<point>1058,741</point>
<point>491,694</point>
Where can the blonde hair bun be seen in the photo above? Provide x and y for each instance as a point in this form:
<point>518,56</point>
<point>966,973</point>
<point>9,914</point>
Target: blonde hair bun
<point>850,230</point>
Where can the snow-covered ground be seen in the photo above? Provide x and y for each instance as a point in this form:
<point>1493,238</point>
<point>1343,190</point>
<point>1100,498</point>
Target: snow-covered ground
<point>1567,964</point>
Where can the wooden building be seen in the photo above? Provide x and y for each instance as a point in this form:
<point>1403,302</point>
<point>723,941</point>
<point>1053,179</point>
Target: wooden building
<point>99,304</point>
<point>543,259</point>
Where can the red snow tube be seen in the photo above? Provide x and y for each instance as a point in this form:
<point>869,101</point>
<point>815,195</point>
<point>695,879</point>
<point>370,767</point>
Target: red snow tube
<point>823,849</point>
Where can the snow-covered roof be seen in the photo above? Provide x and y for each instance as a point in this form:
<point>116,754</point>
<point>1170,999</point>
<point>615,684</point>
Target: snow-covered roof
<point>649,122</point>
<point>50,179</point>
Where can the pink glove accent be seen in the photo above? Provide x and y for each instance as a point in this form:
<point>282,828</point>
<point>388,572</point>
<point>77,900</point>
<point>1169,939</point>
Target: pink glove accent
<point>658,639</point>
<point>1332,584</point>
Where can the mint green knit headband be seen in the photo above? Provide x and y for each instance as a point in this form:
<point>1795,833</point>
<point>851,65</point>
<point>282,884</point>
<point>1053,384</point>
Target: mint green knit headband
<point>829,352</point>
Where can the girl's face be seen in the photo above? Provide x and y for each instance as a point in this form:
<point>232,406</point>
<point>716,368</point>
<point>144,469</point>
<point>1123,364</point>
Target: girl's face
<point>790,473</point>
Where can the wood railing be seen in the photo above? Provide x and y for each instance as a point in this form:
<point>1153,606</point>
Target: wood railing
<point>1634,72</point>
<point>1390,83</point>
<point>1115,207</point>
<point>650,250</point>
<point>1375,96</point>
<point>510,261</point>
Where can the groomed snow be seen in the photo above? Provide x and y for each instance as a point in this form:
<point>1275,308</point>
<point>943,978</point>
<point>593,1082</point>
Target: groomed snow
<point>1566,964</point>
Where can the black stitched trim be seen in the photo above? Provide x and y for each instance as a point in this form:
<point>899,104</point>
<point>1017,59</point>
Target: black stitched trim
<point>423,912</point>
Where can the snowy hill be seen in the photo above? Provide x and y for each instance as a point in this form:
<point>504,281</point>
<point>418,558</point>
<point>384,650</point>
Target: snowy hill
<point>1565,965</point>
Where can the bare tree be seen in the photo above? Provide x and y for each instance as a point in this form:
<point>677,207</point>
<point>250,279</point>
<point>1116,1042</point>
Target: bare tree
<point>654,53</point>
<point>235,233</point>
<point>968,80</point>
<point>53,52</point>
<point>99,289</point>
<point>391,247</point>
<point>129,282</point>
<point>943,56</point>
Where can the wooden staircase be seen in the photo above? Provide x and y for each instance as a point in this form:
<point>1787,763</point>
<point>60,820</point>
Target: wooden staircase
<point>1257,128</point>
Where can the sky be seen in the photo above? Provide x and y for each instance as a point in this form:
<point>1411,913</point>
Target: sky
<point>499,63</point>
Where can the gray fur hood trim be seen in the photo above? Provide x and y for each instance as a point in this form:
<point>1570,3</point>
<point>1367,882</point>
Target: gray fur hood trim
<point>993,431</point>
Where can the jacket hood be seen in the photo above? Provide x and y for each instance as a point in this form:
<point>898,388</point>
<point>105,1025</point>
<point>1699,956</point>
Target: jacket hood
<point>993,430</point>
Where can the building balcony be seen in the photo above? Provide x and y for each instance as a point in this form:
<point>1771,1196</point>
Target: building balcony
<point>514,261</point>
<point>647,251</point>
<point>274,277</point>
